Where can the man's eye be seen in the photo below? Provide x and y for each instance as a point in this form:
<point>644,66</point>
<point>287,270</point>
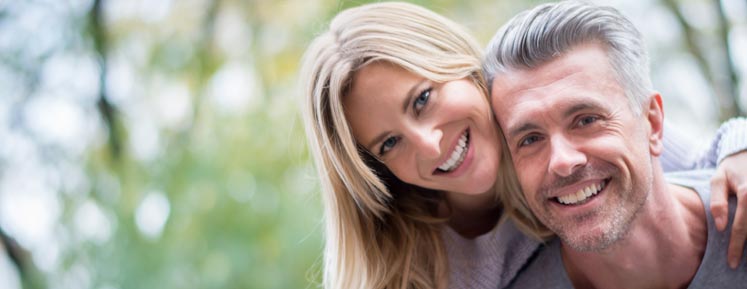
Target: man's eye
<point>388,145</point>
<point>421,100</point>
<point>587,120</point>
<point>529,140</point>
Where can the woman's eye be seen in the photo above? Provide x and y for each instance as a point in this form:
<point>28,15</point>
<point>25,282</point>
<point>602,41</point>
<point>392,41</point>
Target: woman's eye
<point>421,100</point>
<point>587,120</point>
<point>529,140</point>
<point>388,145</point>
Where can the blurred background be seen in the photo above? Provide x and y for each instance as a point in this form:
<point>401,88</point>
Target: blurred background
<point>158,144</point>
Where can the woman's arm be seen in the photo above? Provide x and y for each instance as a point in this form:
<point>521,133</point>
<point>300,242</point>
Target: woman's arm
<point>678,150</point>
<point>727,153</point>
<point>730,139</point>
<point>679,153</point>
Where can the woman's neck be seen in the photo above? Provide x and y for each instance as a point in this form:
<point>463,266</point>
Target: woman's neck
<point>471,215</point>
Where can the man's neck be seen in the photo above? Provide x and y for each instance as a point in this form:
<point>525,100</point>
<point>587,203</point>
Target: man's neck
<point>662,249</point>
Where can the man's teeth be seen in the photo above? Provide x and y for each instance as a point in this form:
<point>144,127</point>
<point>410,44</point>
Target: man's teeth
<point>457,156</point>
<point>581,195</point>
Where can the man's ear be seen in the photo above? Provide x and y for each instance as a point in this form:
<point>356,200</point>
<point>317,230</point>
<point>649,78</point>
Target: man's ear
<point>654,113</point>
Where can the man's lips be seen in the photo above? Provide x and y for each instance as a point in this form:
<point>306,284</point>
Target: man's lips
<point>580,193</point>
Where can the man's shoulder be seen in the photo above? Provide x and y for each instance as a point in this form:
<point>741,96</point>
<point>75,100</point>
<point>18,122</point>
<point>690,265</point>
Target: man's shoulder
<point>713,271</point>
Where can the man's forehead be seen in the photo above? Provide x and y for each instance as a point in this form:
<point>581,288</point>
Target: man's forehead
<point>540,80</point>
<point>585,63</point>
<point>542,94</point>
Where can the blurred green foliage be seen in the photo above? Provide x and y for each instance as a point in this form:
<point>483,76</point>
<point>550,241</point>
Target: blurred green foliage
<point>169,136</point>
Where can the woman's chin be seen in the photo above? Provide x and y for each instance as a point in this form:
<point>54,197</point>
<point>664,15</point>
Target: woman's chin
<point>477,189</point>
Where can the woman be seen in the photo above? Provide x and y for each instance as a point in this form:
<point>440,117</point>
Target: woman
<point>402,188</point>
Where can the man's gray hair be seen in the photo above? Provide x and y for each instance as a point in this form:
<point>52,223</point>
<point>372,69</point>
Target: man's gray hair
<point>542,34</point>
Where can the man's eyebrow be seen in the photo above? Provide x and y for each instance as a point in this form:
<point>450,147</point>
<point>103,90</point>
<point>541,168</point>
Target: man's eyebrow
<point>579,107</point>
<point>514,132</point>
<point>521,128</point>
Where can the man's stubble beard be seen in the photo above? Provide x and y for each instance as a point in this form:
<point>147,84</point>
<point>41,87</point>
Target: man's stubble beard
<point>616,217</point>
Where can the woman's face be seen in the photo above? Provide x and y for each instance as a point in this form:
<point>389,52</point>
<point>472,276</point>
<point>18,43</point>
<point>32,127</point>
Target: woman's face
<point>434,135</point>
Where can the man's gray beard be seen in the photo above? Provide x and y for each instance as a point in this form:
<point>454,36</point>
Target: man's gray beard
<point>599,242</point>
<point>618,226</point>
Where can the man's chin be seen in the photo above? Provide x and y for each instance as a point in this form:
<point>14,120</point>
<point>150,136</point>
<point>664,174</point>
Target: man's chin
<point>592,238</point>
<point>588,243</point>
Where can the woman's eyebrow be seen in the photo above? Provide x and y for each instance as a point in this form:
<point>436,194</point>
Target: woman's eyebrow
<point>405,105</point>
<point>410,95</point>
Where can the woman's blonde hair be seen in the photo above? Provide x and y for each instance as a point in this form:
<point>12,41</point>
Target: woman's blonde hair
<point>380,232</point>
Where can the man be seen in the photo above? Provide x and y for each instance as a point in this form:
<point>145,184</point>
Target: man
<point>570,88</point>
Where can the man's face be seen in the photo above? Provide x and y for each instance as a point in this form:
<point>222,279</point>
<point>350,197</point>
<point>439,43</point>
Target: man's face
<point>583,158</point>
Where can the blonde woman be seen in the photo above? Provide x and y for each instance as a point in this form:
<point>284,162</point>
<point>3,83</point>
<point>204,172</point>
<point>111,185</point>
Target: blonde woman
<point>409,158</point>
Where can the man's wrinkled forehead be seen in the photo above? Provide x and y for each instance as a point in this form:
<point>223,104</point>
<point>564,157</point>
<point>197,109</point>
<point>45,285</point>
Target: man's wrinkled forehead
<point>585,67</point>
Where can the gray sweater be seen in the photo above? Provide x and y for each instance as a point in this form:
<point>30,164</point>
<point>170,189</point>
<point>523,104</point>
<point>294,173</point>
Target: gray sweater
<point>492,260</point>
<point>546,269</point>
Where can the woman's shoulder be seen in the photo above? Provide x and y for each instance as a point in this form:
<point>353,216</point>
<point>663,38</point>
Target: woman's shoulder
<point>490,260</point>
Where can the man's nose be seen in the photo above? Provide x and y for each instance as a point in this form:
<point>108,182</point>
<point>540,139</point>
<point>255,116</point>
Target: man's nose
<point>428,142</point>
<point>564,157</point>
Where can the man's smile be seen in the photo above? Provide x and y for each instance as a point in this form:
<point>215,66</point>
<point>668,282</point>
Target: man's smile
<point>583,194</point>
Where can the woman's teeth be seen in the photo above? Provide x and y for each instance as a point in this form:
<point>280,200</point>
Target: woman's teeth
<point>457,156</point>
<point>581,195</point>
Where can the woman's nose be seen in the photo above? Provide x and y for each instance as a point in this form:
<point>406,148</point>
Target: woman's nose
<point>428,142</point>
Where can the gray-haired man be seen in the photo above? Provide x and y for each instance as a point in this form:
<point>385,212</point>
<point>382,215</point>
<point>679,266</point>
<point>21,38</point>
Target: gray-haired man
<point>571,90</point>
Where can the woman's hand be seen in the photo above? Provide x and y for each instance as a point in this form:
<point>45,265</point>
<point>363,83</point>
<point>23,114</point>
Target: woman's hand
<point>731,178</point>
